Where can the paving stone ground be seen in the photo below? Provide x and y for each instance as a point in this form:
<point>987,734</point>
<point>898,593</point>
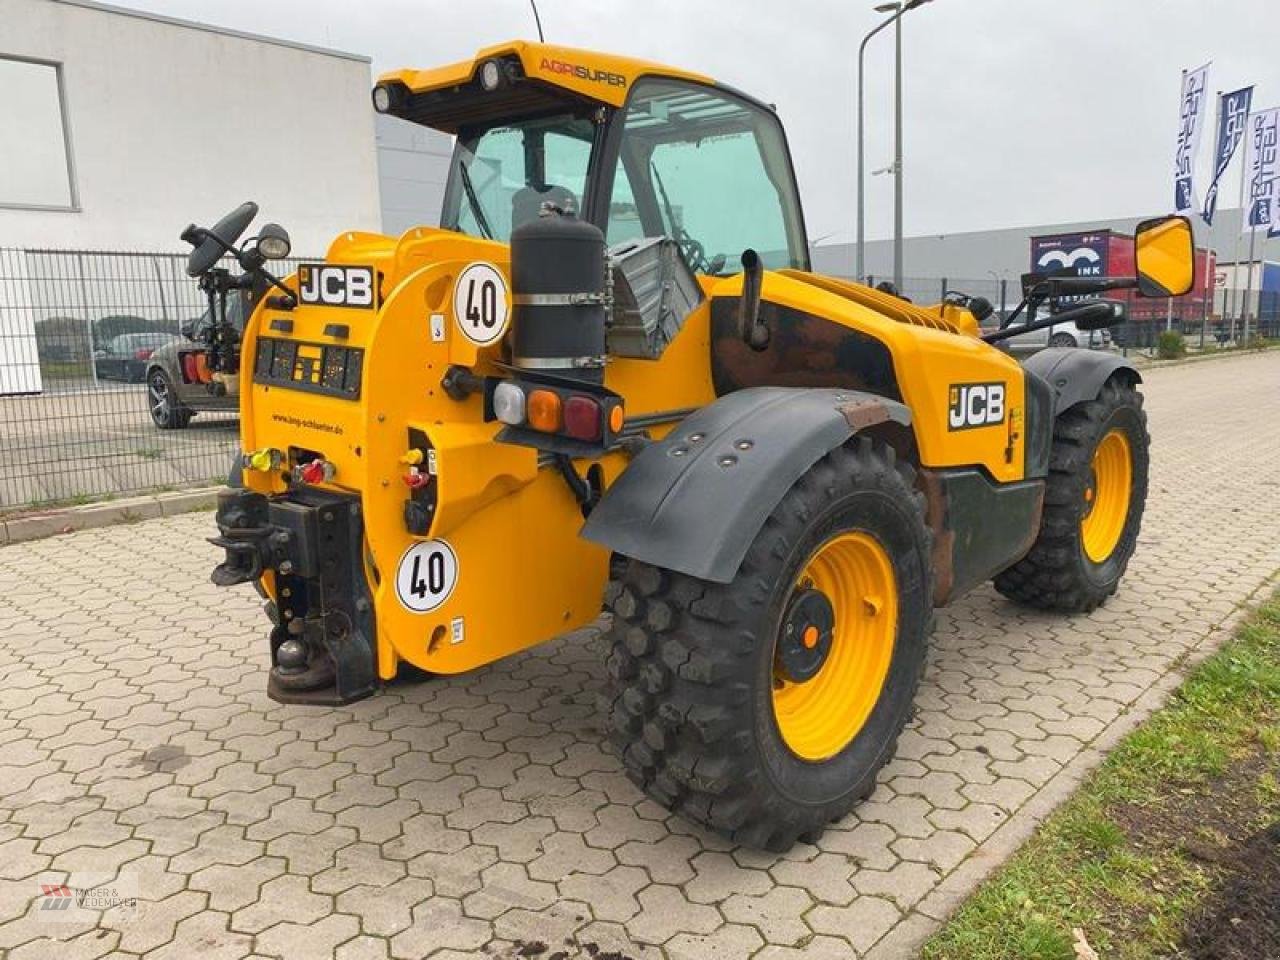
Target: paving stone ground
<point>480,815</point>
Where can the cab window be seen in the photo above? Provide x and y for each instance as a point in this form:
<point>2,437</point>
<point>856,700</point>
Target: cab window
<point>709,170</point>
<point>501,175</point>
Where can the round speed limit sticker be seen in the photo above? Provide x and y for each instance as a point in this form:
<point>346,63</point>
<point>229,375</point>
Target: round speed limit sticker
<point>427,574</point>
<point>480,304</point>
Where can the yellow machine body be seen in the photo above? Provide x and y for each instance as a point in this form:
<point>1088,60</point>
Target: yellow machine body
<point>520,571</point>
<point>524,574</point>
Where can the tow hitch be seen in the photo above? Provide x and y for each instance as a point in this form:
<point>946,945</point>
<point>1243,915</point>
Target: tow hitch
<point>312,541</point>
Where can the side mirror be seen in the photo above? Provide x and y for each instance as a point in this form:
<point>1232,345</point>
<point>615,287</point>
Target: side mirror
<point>187,328</point>
<point>1164,252</point>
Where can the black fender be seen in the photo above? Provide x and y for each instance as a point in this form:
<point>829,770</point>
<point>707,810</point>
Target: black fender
<point>694,501</point>
<point>1076,375</point>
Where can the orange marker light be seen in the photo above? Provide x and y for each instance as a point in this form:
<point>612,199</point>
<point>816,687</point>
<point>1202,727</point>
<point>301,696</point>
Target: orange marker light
<point>616,419</point>
<point>544,410</point>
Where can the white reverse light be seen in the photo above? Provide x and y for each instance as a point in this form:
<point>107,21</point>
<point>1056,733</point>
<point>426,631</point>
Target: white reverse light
<point>508,404</point>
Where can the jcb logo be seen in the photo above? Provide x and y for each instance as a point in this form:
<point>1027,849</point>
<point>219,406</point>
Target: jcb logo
<point>332,286</point>
<point>975,405</point>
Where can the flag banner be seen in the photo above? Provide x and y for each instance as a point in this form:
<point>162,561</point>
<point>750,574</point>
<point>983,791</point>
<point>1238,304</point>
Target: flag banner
<point>1194,95</point>
<point>1262,171</point>
<point>1233,118</point>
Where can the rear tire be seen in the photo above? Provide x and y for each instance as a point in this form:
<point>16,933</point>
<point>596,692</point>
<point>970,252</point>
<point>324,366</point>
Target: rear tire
<point>1063,340</point>
<point>1079,557</point>
<point>167,411</point>
<point>692,689</point>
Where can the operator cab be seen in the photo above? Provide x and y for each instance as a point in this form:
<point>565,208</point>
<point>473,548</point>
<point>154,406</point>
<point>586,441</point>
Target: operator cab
<point>635,151</point>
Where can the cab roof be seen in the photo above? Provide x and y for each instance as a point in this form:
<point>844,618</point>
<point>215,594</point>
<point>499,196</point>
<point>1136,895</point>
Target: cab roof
<point>535,76</point>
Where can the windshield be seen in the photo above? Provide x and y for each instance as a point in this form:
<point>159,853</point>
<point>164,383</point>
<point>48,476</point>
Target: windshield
<point>710,170</point>
<point>502,175</point>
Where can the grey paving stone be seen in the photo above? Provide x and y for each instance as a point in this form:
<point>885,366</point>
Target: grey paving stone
<point>473,814</point>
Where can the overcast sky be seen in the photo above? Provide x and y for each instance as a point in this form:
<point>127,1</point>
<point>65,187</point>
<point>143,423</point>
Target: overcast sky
<point>1018,112</point>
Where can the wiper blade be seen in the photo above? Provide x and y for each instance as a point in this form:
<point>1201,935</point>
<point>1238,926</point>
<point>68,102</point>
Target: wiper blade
<point>474,201</point>
<point>666,201</point>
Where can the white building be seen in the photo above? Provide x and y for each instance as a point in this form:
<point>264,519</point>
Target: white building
<point>413,163</point>
<point>121,127</point>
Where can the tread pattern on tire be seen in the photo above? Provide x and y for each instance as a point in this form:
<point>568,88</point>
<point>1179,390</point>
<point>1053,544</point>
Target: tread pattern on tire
<point>678,688</point>
<point>1054,575</point>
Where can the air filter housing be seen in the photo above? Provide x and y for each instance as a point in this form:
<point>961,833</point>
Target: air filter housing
<point>558,286</point>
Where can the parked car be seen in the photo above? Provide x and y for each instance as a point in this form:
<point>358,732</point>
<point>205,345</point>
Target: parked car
<point>126,357</point>
<point>175,390</point>
<point>1059,335</point>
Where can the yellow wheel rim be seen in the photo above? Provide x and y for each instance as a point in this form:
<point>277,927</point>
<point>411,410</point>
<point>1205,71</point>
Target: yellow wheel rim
<point>1107,496</point>
<point>820,716</point>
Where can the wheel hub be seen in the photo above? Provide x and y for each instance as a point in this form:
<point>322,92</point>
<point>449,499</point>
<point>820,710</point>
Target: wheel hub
<point>1090,493</point>
<point>1107,496</point>
<point>834,645</point>
<point>805,640</point>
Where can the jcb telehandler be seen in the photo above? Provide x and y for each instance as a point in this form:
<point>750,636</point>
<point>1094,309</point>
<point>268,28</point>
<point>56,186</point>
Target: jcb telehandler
<point>611,374</point>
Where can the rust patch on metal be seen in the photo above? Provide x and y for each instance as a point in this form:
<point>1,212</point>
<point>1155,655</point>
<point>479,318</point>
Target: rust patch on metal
<point>803,351</point>
<point>864,412</point>
<point>944,539</point>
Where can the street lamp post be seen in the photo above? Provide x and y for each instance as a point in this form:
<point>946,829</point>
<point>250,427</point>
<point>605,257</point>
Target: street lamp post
<point>898,9</point>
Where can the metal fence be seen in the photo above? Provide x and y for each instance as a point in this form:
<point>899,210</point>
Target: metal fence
<point>74,425</point>
<point>75,331</point>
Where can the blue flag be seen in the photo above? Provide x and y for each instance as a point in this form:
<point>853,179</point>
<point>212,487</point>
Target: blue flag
<point>1232,120</point>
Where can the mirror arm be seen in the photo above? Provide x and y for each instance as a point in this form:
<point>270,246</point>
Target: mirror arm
<point>253,262</point>
<point>1017,312</point>
<point>288,301</point>
<point>1083,286</point>
<point>1054,319</point>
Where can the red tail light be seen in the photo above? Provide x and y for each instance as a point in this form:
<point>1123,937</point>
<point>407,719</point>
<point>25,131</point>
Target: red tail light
<point>190,372</point>
<point>142,354</point>
<point>582,418</point>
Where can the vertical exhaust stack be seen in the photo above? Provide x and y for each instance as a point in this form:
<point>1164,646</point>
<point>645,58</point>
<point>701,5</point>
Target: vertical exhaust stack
<point>558,286</point>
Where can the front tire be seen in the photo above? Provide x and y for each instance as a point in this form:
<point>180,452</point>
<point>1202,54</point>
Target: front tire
<point>1063,340</point>
<point>1094,500</point>
<point>167,411</point>
<point>765,735</point>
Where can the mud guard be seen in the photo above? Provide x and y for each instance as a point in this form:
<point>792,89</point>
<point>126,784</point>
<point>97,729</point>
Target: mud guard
<point>694,501</point>
<point>1076,375</point>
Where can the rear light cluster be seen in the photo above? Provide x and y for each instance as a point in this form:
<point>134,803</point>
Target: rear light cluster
<point>195,368</point>
<point>580,416</point>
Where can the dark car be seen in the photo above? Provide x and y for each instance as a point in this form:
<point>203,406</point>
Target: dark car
<point>177,383</point>
<point>127,356</point>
